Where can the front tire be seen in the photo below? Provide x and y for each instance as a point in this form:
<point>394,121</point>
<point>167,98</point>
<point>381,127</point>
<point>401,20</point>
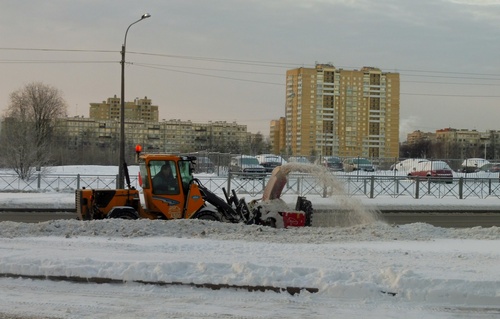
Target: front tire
<point>305,206</point>
<point>208,215</point>
<point>271,222</point>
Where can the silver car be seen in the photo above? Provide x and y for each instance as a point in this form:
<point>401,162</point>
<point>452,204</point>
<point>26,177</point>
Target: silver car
<point>247,166</point>
<point>358,164</point>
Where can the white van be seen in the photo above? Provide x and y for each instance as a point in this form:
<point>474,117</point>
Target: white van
<point>408,164</point>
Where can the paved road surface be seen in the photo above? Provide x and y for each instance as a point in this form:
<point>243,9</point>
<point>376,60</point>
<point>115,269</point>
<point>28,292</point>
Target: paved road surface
<point>441,219</point>
<point>34,217</point>
<point>456,220</point>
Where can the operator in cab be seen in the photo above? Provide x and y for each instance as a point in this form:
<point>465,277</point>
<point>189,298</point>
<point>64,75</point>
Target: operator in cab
<point>165,181</point>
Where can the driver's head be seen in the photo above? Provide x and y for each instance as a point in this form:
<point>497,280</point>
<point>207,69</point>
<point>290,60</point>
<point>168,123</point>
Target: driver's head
<point>166,169</point>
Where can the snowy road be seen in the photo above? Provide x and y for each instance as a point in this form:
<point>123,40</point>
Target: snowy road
<point>364,271</point>
<point>66,300</point>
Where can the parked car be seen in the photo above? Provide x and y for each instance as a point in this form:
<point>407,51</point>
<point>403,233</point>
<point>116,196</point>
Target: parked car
<point>436,171</point>
<point>333,163</point>
<point>204,165</point>
<point>247,166</point>
<point>490,167</point>
<point>298,159</point>
<point>358,163</point>
<point>270,161</point>
<point>407,164</point>
<point>471,165</point>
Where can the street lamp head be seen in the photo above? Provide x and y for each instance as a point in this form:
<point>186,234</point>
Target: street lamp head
<point>145,16</point>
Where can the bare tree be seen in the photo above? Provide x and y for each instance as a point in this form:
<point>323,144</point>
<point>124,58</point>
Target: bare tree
<point>257,145</point>
<point>28,126</point>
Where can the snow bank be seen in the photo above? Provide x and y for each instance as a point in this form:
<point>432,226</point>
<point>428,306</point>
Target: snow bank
<point>416,265</point>
<point>223,231</point>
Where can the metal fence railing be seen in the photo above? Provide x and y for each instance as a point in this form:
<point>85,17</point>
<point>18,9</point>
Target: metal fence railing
<point>220,161</point>
<point>370,186</point>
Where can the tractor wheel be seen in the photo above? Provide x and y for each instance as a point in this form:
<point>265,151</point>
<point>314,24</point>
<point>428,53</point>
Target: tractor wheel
<point>271,222</point>
<point>123,213</point>
<point>309,212</point>
<point>208,215</point>
<point>306,206</point>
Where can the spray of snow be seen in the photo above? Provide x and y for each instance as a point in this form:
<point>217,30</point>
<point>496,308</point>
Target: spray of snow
<point>345,211</point>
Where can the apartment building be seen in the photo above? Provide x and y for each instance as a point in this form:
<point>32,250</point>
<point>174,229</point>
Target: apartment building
<point>347,113</point>
<point>277,136</point>
<point>172,136</point>
<point>463,142</point>
<point>465,136</point>
<point>418,136</point>
<point>140,110</point>
<point>102,130</point>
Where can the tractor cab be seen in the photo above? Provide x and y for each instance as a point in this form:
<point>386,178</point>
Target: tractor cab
<point>169,192</point>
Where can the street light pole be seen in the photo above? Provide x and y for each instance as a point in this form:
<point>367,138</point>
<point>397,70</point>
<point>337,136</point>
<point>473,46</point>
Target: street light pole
<point>121,167</point>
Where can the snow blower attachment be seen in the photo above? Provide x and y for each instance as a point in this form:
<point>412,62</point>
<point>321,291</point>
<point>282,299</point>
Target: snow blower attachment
<point>273,208</point>
<point>171,192</point>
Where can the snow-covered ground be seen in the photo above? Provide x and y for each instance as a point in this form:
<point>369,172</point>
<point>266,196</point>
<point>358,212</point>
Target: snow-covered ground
<point>154,269</point>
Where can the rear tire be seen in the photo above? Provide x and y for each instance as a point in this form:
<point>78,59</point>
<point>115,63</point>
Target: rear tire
<point>123,213</point>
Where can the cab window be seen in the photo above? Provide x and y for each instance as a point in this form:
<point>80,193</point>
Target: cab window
<point>144,175</point>
<point>186,172</point>
<point>164,177</point>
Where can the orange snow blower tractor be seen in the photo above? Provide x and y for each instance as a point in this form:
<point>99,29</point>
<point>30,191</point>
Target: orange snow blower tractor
<point>171,192</point>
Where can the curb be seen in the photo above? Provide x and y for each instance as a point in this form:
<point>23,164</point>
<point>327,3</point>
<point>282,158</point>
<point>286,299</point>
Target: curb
<point>101,280</point>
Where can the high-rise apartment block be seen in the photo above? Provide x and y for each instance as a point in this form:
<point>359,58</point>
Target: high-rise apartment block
<point>139,110</point>
<point>339,112</point>
<point>276,139</point>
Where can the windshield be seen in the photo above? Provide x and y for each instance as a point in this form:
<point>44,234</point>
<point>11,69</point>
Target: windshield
<point>186,172</point>
<point>486,167</point>
<point>333,160</point>
<point>439,165</point>
<point>362,161</point>
<point>249,161</point>
<point>144,175</point>
<point>164,177</point>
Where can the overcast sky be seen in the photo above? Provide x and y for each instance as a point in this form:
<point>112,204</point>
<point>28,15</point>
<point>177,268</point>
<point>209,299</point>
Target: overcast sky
<point>225,60</point>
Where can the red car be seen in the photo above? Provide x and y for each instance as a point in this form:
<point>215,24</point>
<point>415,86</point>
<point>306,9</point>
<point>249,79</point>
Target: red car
<point>435,171</point>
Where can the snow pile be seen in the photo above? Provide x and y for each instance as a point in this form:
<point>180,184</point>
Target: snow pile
<point>416,265</point>
<point>378,231</point>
